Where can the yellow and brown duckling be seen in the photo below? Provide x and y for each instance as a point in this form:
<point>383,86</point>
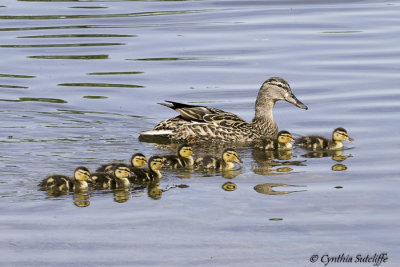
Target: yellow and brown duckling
<point>60,184</point>
<point>207,123</point>
<point>314,142</point>
<point>282,142</point>
<point>152,173</point>
<point>138,160</point>
<point>118,179</point>
<point>183,159</point>
<point>225,162</point>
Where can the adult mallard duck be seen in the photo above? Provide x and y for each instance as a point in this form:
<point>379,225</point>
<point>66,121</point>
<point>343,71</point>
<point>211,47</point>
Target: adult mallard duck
<point>61,184</point>
<point>203,123</point>
<point>182,159</point>
<point>225,162</point>
<point>118,179</point>
<point>282,142</point>
<point>314,142</point>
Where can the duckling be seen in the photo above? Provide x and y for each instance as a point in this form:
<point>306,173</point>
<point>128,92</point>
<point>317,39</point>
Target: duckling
<point>229,155</point>
<point>322,143</point>
<point>207,123</point>
<point>59,184</point>
<point>118,179</point>
<point>281,143</point>
<point>138,160</point>
<point>183,159</point>
<point>151,174</point>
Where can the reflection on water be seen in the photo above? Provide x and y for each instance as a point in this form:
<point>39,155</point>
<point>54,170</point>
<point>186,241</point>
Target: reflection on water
<point>81,199</point>
<point>274,162</point>
<point>336,155</point>
<point>268,189</point>
<point>229,186</point>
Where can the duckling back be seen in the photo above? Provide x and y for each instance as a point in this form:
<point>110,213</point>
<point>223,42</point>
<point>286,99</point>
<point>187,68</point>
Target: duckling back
<point>314,142</point>
<point>56,183</point>
<point>101,180</point>
<point>208,162</point>
<point>266,144</point>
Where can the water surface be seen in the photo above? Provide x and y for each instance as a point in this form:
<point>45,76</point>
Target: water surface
<point>80,79</point>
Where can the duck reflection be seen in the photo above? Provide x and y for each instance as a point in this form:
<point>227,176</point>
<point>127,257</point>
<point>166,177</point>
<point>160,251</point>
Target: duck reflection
<point>81,199</point>
<point>229,186</point>
<point>336,155</point>
<point>267,161</point>
<point>268,189</point>
<point>154,191</point>
<point>121,195</point>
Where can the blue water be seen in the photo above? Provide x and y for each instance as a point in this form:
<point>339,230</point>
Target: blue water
<point>80,79</point>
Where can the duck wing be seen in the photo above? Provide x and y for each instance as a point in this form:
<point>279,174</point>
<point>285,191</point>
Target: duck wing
<point>204,114</point>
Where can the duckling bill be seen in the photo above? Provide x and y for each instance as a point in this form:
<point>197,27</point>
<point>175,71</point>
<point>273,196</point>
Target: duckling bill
<point>314,142</point>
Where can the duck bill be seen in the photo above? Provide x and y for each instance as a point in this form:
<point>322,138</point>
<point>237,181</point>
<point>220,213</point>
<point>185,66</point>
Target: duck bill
<point>238,160</point>
<point>293,100</point>
<point>349,139</point>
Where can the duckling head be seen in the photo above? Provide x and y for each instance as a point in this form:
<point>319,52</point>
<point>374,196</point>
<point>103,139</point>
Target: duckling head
<point>81,174</point>
<point>121,171</point>
<point>138,160</point>
<point>285,137</point>
<point>185,151</point>
<point>230,155</point>
<point>156,163</point>
<point>340,134</point>
<point>276,88</point>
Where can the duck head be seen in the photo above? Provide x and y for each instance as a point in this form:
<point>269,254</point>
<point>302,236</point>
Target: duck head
<point>230,155</point>
<point>185,151</point>
<point>340,134</point>
<point>275,89</point>
<point>121,171</point>
<point>285,137</point>
<point>138,160</point>
<point>81,174</point>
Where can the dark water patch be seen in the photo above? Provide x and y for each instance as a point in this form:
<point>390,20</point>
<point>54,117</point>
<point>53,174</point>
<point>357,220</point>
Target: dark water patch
<point>71,57</point>
<point>36,99</point>
<point>101,85</point>
<point>37,28</point>
<point>100,112</point>
<point>169,58</point>
<point>95,97</point>
<point>62,17</point>
<point>276,219</point>
<point>16,76</point>
<point>88,7</point>
<point>60,45</point>
<point>116,73</point>
<point>341,32</point>
<point>79,36</point>
<point>13,86</point>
